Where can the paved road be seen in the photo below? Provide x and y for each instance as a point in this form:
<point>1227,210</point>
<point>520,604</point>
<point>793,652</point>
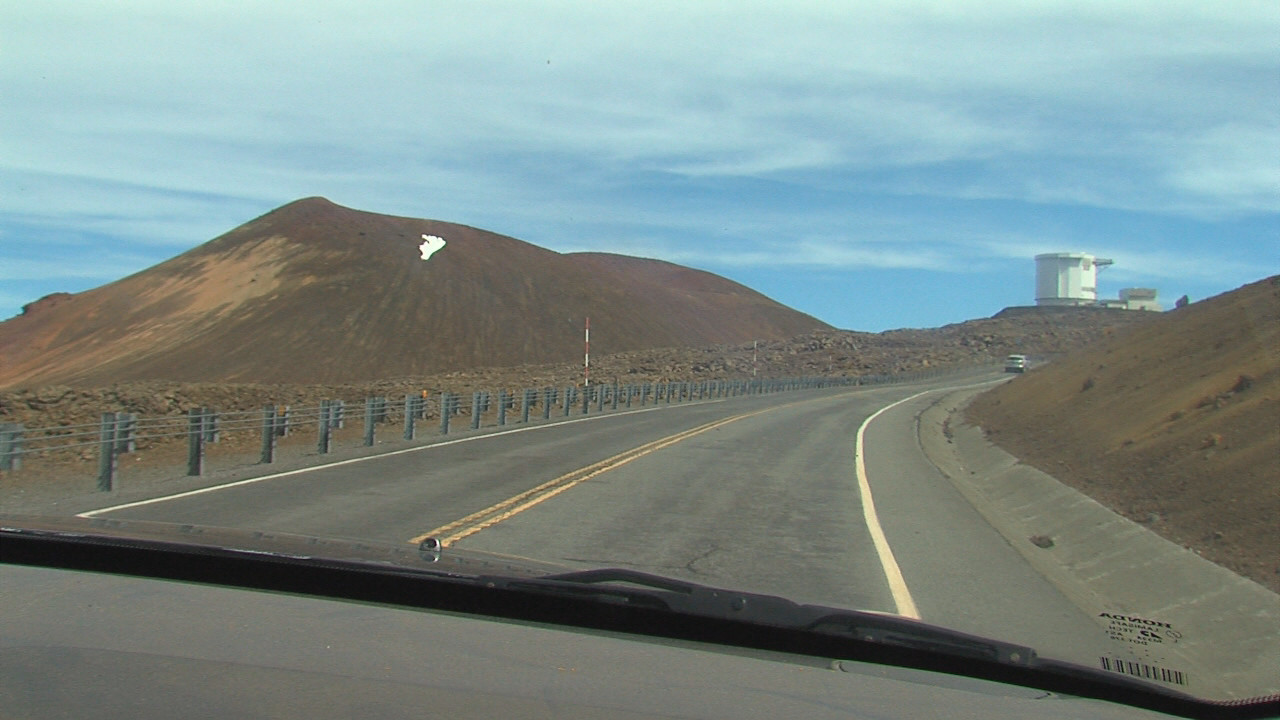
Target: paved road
<point>753,493</point>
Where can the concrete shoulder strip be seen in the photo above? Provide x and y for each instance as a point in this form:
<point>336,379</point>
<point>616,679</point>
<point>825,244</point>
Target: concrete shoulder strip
<point>1105,563</point>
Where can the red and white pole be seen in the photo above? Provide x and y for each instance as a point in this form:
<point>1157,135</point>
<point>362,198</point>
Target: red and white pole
<point>586,354</point>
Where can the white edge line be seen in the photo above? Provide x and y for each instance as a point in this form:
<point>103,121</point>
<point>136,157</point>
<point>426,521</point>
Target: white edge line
<point>893,574</point>
<point>299,471</point>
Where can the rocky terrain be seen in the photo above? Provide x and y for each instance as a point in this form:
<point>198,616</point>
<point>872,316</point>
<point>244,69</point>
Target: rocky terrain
<point>314,292</point>
<point>818,353</point>
<point>1174,423</point>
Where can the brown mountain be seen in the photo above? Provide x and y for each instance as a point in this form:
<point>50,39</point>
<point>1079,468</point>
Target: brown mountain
<point>1174,423</point>
<point>314,292</point>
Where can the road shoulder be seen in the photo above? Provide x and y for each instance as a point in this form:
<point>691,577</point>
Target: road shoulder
<point>1108,565</point>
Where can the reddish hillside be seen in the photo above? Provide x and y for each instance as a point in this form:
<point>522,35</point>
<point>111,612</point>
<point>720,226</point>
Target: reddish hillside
<point>314,292</point>
<point>1175,423</point>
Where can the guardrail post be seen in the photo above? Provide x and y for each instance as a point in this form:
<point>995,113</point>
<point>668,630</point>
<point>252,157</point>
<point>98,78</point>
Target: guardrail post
<point>195,441</point>
<point>10,446</point>
<point>445,400</point>
<point>107,451</point>
<point>212,427</point>
<point>323,444</point>
<point>268,434</point>
<point>548,399</point>
<point>503,400</point>
<point>476,399</point>
<point>410,415</point>
<point>338,419</point>
<point>567,401</point>
<point>284,414</point>
<point>126,433</point>
<point>370,425</point>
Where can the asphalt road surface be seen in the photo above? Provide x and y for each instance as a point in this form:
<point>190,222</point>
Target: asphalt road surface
<point>758,493</point>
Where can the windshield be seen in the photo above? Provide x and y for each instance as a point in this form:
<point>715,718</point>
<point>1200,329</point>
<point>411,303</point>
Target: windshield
<point>962,312</point>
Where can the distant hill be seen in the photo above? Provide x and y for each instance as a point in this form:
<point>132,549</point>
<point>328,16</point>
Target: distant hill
<point>313,292</point>
<point>1174,423</point>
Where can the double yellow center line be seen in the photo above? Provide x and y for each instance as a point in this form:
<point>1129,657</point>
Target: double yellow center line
<point>494,514</point>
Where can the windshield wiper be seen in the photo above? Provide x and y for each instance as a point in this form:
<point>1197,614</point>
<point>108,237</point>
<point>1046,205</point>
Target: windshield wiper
<point>659,606</point>
<point>640,589</point>
<point>611,600</point>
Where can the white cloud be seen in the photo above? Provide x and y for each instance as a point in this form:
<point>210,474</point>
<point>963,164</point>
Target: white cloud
<point>166,124</point>
<point>1201,264</point>
<point>832,253</point>
<point>1234,165</point>
<point>720,90</point>
<point>78,267</point>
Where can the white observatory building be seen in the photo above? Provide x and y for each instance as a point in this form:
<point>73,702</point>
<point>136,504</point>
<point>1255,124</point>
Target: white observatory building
<point>1068,279</point>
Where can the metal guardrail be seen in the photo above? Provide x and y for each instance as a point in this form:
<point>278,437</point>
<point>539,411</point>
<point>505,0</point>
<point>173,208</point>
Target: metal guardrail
<point>119,433</point>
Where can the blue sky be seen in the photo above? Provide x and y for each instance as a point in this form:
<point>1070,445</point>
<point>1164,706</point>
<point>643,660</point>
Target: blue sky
<point>875,164</point>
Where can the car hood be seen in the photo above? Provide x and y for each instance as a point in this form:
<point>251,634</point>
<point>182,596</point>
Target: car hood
<point>425,557</point>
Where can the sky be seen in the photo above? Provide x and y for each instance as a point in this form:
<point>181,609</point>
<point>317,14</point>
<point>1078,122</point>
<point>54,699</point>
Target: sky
<point>875,164</point>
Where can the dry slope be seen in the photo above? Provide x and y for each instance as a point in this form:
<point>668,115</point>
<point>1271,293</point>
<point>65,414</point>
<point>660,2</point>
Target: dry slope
<point>1174,423</point>
<point>319,293</point>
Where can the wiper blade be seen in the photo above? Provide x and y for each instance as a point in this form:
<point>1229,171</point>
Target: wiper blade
<point>614,600</point>
<point>640,589</point>
<point>648,590</point>
<point>907,633</point>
